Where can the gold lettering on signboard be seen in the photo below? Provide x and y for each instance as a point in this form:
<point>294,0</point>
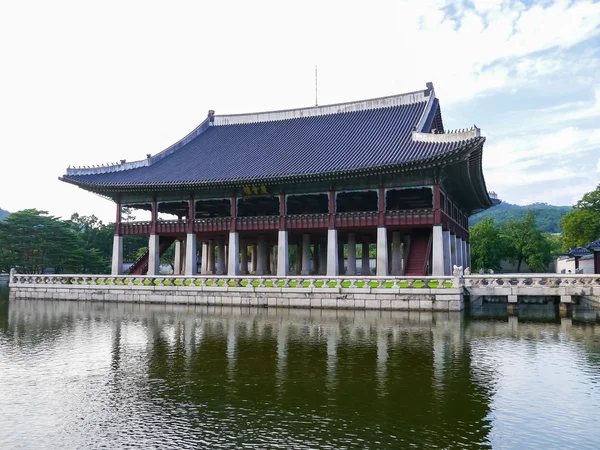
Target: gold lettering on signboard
<point>255,190</point>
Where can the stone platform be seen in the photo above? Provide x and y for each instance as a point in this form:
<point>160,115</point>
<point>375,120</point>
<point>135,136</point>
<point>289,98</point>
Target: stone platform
<point>378,293</point>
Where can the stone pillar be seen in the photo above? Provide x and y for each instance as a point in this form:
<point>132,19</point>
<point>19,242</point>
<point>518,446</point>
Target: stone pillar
<point>191,262</point>
<point>153,255</point>
<point>323,257</point>
<point>177,259</point>
<point>204,258</point>
<point>210,266</point>
<point>382,257</point>
<point>453,253</point>
<point>233,268</point>
<point>465,257</point>
<point>183,253</point>
<point>366,269</point>
<point>406,246</point>
<point>315,259</point>
<point>396,253</point>
<point>447,255</point>
<point>117,256</point>
<point>271,258</point>
<point>282,254</point>
<point>305,254</point>
<point>468,245</point>
<point>459,255</point>
<point>299,258</point>
<point>254,259</point>
<point>332,253</point>
<point>220,257</point>
<point>351,270</point>
<point>341,270</point>
<point>261,259</point>
<point>437,251</point>
<point>244,258</point>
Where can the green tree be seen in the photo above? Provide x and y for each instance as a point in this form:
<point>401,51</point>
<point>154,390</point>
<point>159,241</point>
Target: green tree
<point>525,242</point>
<point>590,200</point>
<point>33,241</point>
<point>96,239</point>
<point>488,246</point>
<point>582,225</point>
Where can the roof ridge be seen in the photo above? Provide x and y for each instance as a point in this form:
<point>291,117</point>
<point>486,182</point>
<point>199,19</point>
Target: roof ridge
<point>407,98</point>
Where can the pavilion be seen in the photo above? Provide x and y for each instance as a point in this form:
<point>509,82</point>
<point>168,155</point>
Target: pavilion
<point>323,178</point>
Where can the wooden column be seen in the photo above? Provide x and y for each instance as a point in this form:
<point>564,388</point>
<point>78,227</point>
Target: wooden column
<point>437,215</point>
<point>381,207</point>
<point>281,211</point>
<point>118,220</point>
<point>233,213</point>
<point>331,210</point>
<point>154,218</point>
<point>191,215</point>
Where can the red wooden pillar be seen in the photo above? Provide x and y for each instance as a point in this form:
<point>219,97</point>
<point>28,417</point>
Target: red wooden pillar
<point>437,203</point>
<point>331,210</point>
<point>118,220</point>
<point>191,215</point>
<point>381,207</point>
<point>232,224</point>
<point>281,211</point>
<point>154,219</point>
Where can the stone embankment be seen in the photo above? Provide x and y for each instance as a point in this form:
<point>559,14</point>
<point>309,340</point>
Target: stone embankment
<point>406,293</point>
<point>444,293</point>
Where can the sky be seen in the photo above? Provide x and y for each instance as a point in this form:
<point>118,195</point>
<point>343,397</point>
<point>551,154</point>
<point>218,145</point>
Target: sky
<point>90,83</point>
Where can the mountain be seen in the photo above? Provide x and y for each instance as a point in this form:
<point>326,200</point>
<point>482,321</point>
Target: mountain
<point>3,214</point>
<point>547,216</point>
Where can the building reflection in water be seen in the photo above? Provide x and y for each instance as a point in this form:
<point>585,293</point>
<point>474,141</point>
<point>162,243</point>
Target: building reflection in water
<point>313,377</point>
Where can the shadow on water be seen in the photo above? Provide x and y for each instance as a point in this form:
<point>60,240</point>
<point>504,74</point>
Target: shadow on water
<point>177,376</point>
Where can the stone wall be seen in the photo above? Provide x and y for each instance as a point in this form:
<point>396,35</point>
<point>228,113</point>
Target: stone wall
<point>422,300</point>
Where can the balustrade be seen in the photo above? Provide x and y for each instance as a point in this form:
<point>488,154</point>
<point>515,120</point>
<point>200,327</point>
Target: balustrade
<point>306,221</point>
<point>409,217</point>
<point>295,221</point>
<point>257,223</point>
<point>212,224</point>
<point>250,282</point>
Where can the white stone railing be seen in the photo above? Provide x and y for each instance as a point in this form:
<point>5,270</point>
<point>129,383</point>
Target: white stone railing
<point>212,282</point>
<point>539,280</point>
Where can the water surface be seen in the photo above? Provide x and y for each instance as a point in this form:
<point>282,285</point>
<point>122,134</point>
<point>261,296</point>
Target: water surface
<point>89,375</point>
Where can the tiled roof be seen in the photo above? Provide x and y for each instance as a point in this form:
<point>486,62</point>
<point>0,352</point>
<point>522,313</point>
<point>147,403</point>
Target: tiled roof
<point>312,141</point>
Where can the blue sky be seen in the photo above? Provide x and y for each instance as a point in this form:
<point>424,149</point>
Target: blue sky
<point>91,83</point>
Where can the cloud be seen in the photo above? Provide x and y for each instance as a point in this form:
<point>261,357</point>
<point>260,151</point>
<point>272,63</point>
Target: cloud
<point>555,167</point>
<point>493,46</point>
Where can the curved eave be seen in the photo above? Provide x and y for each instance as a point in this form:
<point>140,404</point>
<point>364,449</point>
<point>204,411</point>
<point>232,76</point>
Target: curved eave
<point>441,160</point>
<point>467,182</point>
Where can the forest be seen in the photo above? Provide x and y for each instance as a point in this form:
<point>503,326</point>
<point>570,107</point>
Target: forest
<point>547,217</point>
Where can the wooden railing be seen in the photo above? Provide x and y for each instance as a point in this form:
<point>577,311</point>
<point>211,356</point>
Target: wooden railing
<point>293,221</point>
<point>305,221</point>
<point>213,224</point>
<point>357,219</point>
<point>410,217</point>
<point>258,223</point>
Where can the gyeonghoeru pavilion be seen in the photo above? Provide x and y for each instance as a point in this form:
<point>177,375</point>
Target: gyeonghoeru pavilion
<point>327,179</point>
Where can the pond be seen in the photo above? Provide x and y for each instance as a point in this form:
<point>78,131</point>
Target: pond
<point>92,375</point>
